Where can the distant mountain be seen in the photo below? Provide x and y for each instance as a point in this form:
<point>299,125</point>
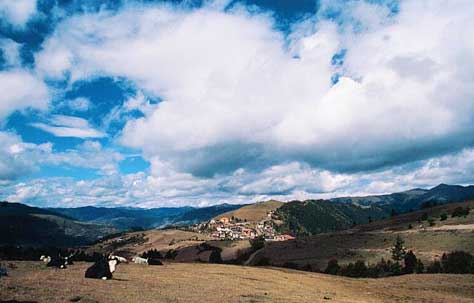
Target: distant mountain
<point>415,198</point>
<point>24,225</point>
<point>129,218</point>
<point>318,216</point>
<point>125,218</point>
<point>198,215</point>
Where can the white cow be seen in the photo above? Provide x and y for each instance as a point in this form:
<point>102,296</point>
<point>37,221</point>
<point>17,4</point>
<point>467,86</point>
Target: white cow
<point>120,259</point>
<point>45,259</point>
<point>140,260</point>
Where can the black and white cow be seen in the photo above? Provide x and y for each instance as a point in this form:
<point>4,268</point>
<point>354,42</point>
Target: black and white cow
<point>154,261</point>
<point>103,268</point>
<point>59,261</point>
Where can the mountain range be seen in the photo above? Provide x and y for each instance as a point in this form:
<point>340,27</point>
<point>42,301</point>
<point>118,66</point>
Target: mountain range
<point>21,224</point>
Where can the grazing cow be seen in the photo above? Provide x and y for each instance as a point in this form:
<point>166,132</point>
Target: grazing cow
<point>120,259</point>
<point>58,262</point>
<point>154,261</point>
<point>103,268</point>
<point>140,260</point>
<point>45,259</point>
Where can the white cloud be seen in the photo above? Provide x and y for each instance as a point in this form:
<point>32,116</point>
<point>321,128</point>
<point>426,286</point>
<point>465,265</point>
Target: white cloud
<point>11,52</point>
<point>20,159</point>
<point>77,105</point>
<point>21,89</point>
<point>17,12</point>
<point>69,126</point>
<point>234,95</point>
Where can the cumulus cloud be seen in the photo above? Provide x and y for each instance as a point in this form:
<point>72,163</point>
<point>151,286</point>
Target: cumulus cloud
<point>235,95</point>
<point>19,159</point>
<point>76,105</point>
<point>69,126</point>
<point>21,89</point>
<point>10,51</point>
<point>17,12</point>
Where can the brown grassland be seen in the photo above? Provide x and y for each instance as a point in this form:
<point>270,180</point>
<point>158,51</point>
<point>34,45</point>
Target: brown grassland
<point>254,212</point>
<point>196,282</point>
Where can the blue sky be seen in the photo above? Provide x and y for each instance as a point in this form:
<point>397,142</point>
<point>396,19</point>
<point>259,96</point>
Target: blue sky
<point>167,103</point>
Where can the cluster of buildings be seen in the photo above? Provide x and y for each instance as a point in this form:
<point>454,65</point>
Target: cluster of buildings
<point>233,228</point>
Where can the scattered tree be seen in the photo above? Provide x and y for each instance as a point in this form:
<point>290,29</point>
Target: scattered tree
<point>398,250</point>
<point>410,261</point>
<point>332,267</point>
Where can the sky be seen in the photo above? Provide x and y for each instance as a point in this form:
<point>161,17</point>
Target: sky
<point>201,102</point>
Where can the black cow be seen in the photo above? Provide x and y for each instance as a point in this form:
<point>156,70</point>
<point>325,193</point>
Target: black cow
<point>154,261</point>
<point>102,269</point>
<point>58,262</point>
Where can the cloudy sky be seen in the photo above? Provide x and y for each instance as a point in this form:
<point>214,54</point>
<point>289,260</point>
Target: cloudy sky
<point>167,103</point>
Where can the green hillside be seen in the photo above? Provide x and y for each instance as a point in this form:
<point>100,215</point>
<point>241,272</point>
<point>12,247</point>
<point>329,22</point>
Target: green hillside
<point>318,216</point>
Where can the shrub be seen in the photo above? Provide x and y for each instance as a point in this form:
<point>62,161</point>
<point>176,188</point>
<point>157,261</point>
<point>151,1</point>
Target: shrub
<point>398,249</point>
<point>152,253</point>
<point>257,243</point>
<point>460,212</point>
<point>410,261</point>
<point>410,226</point>
<point>333,267</point>
<point>419,267</point>
<point>443,216</point>
<point>431,222</point>
<point>424,217</point>
<point>215,256</point>
<point>458,262</point>
<point>434,268</point>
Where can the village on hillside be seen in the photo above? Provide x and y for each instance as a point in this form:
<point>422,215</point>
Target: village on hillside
<point>233,228</point>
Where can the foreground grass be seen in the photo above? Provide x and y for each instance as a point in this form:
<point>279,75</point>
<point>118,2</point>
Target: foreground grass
<point>180,282</point>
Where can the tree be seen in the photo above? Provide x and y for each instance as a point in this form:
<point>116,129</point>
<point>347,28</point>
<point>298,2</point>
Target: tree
<point>457,262</point>
<point>443,216</point>
<point>398,249</point>
<point>424,217</point>
<point>410,261</point>
<point>420,267</point>
<point>333,267</point>
<point>431,222</point>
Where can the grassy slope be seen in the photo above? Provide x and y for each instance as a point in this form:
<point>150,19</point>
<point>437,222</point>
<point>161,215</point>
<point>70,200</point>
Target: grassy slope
<point>130,244</point>
<point>254,212</point>
<point>178,282</point>
<point>372,241</point>
<point>317,216</point>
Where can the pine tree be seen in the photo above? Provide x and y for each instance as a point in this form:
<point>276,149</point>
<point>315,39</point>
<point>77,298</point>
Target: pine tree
<point>398,250</point>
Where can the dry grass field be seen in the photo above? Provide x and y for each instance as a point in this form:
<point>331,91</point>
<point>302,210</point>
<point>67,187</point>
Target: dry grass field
<point>371,242</point>
<point>254,212</point>
<point>162,240</point>
<point>196,282</point>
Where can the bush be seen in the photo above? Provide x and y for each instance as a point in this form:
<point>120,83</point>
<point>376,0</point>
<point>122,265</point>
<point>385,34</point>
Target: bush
<point>443,217</point>
<point>460,212</point>
<point>398,249</point>
<point>152,253</point>
<point>431,222</point>
<point>333,267</point>
<point>419,267</point>
<point>257,243</point>
<point>434,268</point>
<point>458,262</point>
<point>410,261</point>
<point>424,217</point>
